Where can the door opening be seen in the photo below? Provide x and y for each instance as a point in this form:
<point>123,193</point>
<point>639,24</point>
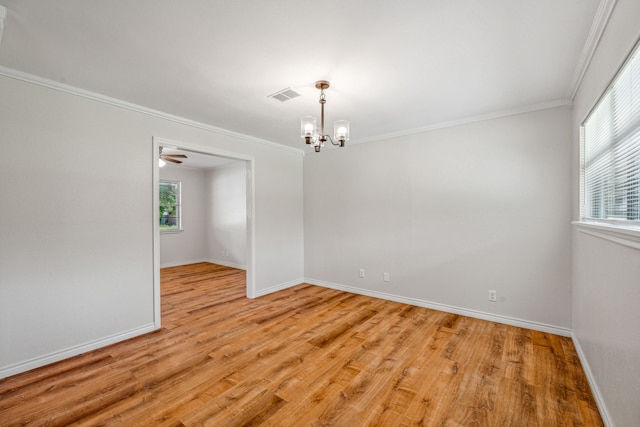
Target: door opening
<point>212,182</point>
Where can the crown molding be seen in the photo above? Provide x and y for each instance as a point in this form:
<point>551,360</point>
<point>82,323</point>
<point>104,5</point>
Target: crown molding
<point>61,87</point>
<point>489,116</point>
<point>600,21</point>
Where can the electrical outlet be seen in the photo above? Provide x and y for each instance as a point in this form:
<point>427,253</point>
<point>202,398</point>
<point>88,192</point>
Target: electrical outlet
<point>493,296</point>
<point>362,273</point>
<point>385,277</point>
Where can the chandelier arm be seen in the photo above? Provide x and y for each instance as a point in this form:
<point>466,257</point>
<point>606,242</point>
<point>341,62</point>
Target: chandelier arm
<point>333,143</point>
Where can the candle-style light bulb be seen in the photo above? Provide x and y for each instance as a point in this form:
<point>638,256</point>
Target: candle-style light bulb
<point>341,131</point>
<point>307,128</point>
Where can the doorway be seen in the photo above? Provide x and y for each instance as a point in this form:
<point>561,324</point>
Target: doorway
<point>207,159</point>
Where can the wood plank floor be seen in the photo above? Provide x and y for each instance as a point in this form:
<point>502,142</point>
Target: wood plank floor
<point>306,356</point>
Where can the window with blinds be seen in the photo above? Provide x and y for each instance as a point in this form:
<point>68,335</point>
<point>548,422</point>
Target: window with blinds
<point>610,148</point>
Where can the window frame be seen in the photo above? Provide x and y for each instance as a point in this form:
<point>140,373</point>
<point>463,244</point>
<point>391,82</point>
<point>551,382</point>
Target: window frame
<point>178,206</point>
<point>612,144</point>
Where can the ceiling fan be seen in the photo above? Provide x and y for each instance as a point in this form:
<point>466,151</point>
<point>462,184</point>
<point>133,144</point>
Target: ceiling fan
<point>172,157</point>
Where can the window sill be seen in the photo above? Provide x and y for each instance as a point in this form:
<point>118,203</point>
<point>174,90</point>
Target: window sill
<point>622,235</point>
<point>170,231</point>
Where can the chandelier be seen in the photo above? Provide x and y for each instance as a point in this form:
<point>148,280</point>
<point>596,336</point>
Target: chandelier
<point>309,128</point>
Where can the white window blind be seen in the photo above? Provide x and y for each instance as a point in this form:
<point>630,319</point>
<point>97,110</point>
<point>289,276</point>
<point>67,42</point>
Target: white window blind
<point>611,150</point>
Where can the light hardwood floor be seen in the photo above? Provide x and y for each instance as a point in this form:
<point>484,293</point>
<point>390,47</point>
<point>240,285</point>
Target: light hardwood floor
<point>306,356</point>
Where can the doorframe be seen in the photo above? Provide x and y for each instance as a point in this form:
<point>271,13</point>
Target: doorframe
<point>158,142</point>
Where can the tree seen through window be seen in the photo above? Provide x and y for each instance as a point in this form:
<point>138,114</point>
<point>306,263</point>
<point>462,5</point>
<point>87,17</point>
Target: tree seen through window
<point>169,205</point>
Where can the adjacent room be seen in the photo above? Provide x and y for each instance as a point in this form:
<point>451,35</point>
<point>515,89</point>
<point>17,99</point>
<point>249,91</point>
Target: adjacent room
<point>320,213</point>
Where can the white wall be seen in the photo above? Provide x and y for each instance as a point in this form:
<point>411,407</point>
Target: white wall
<point>450,214</point>
<point>214,216</point>
<point>189,245</point>
<point>227,215</point>
<point>606,275</point>
<point>76,237</point>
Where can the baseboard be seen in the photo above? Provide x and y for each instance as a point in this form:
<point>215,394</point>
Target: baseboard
<point>602,407</point>
<point>276,288</point>
<point>73,351</point>
<point>226,263</point>
<point>536,326</point>
<point>211,260</point>
<point>184,262</point>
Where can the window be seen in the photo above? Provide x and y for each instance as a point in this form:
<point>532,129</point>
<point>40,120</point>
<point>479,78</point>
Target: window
<point>170,206</point>
<point>610,148</point>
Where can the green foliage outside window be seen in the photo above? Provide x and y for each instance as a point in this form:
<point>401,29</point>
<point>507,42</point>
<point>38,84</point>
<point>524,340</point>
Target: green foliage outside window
<point>169,205</point>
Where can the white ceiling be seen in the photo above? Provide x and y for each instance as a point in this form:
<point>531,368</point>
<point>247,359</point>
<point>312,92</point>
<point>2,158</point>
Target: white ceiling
<point>196,160</point>
<point>394,66</point>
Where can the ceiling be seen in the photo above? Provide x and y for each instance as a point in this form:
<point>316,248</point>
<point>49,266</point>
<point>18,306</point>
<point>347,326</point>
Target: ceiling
<point>196,160</point>
<point>395,66</point>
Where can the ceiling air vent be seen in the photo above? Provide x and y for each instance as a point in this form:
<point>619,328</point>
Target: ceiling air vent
<point>284,94</point>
